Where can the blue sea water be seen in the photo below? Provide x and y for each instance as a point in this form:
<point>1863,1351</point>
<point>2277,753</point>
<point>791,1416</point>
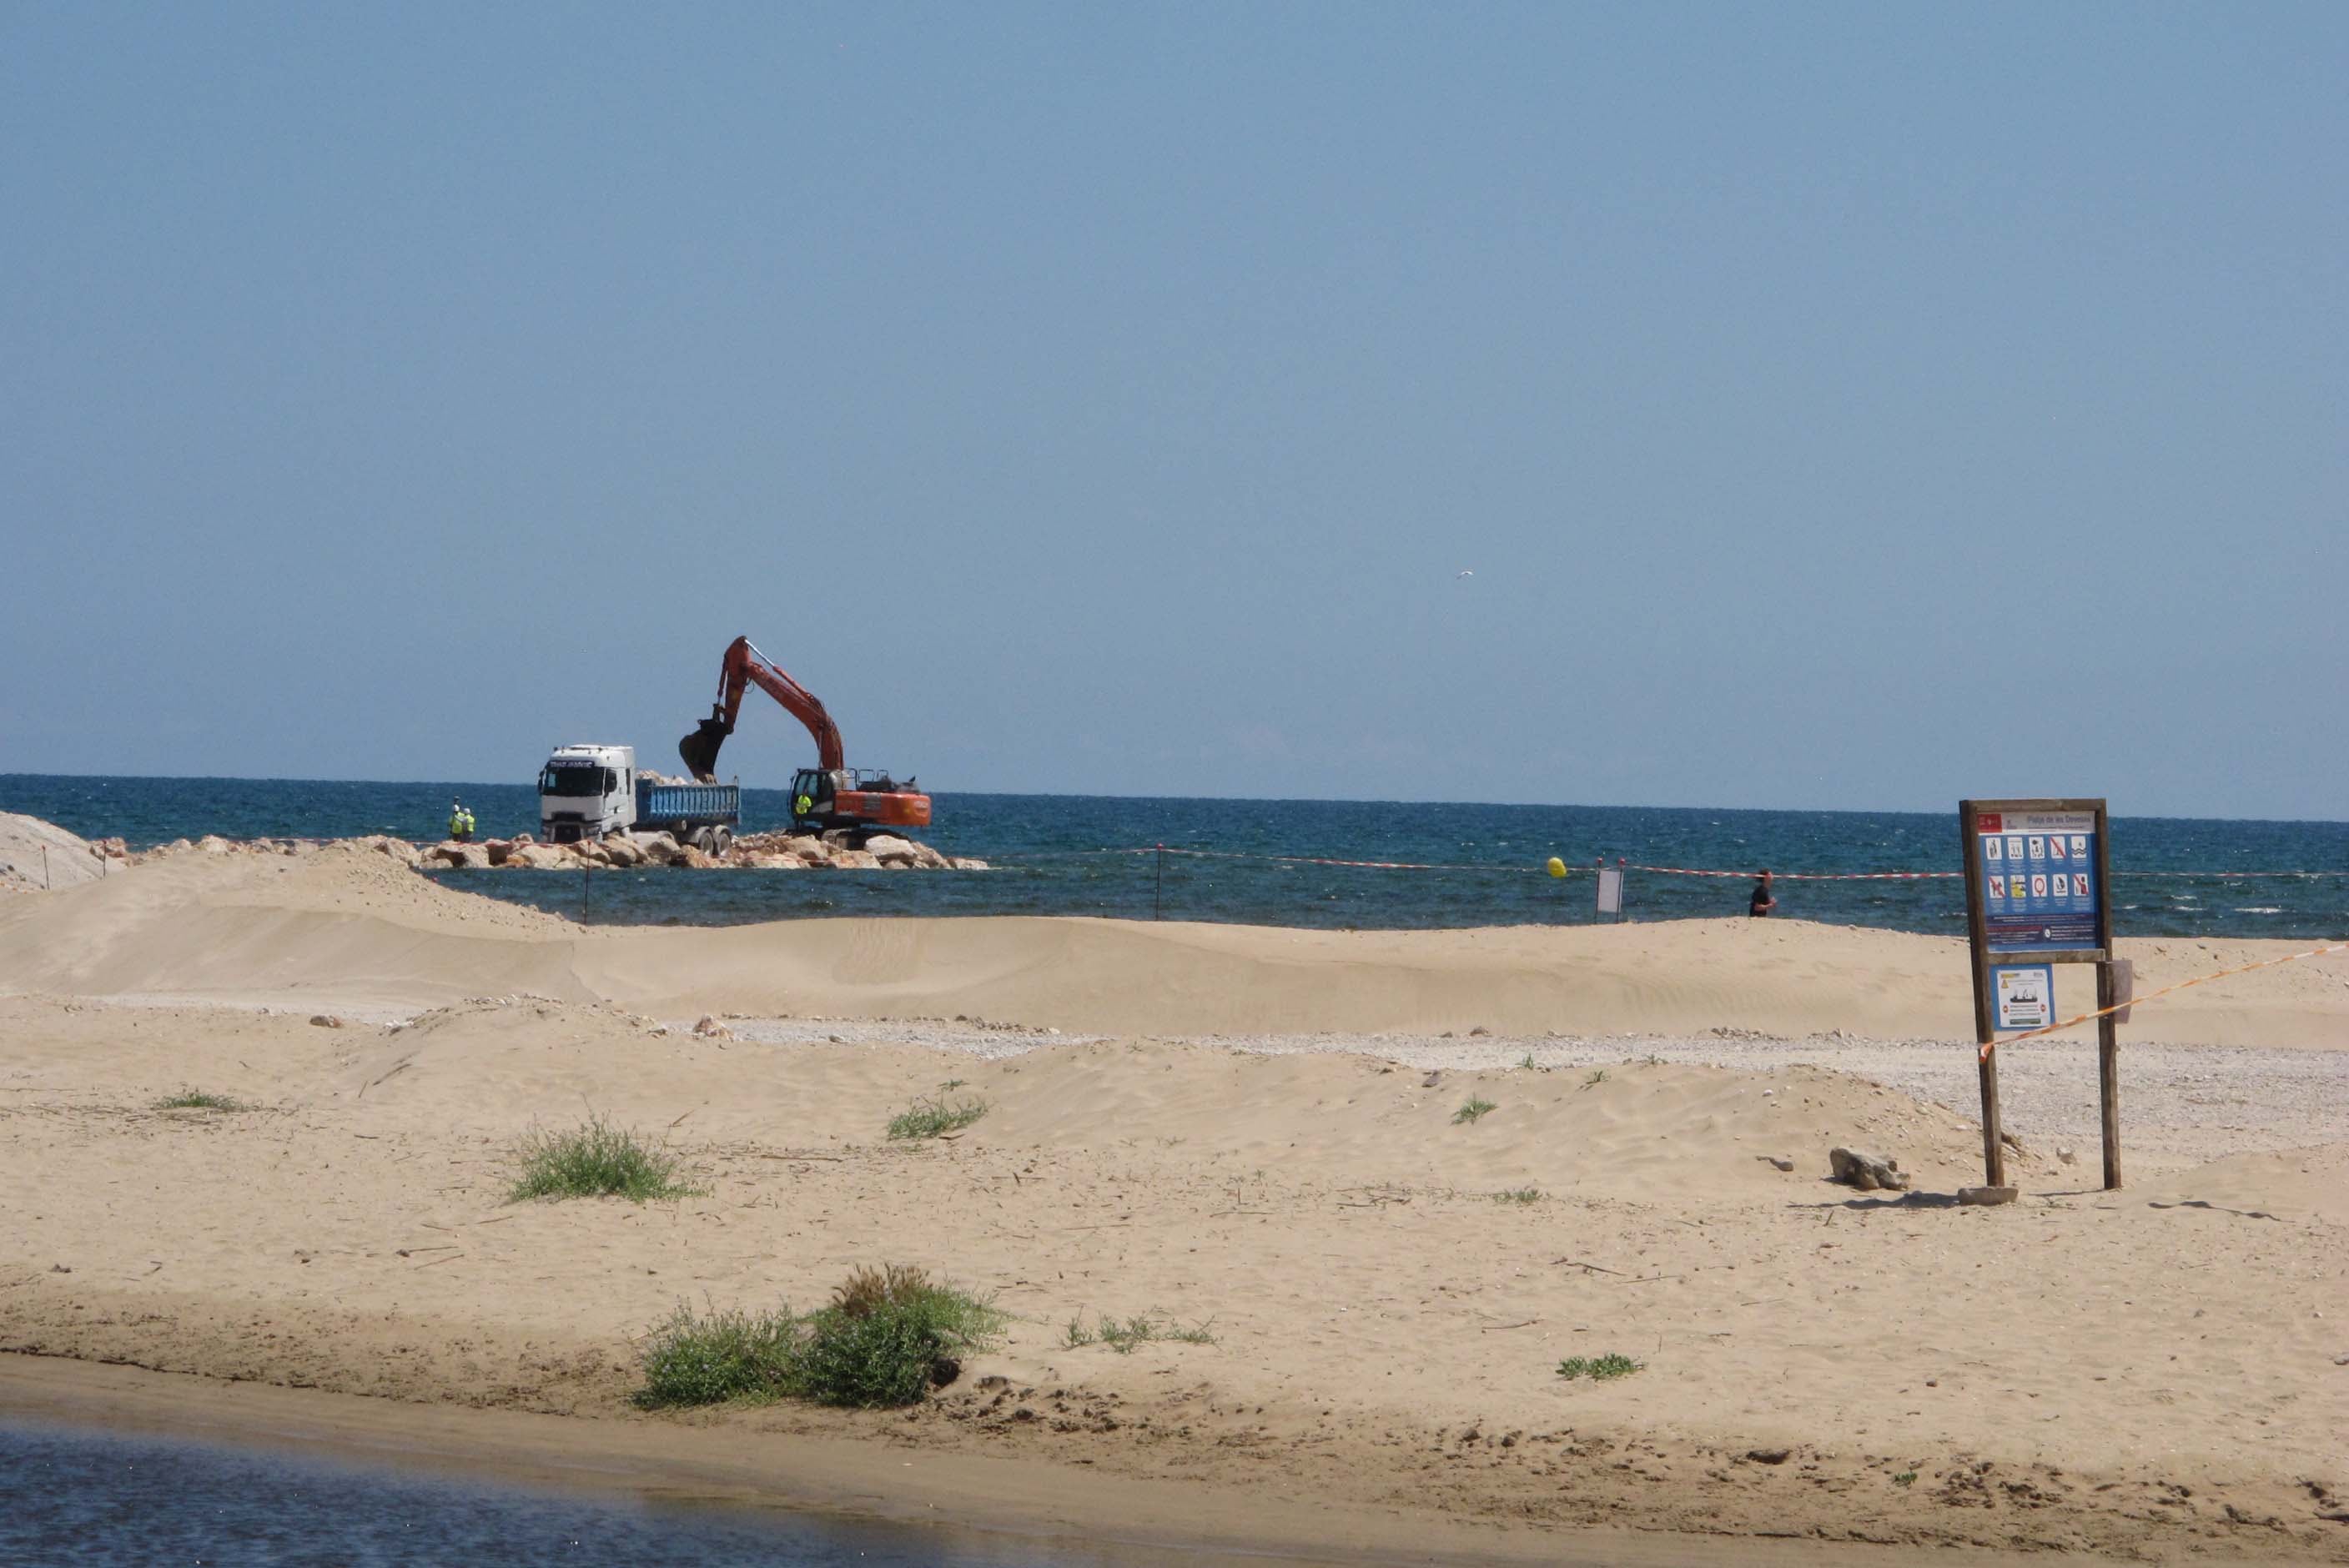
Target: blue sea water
<point>70,1497</point>
<point>1070,854</point>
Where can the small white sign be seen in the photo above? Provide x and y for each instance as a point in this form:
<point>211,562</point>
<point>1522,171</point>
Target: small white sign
<point>1610,891</point>
<point>2026,994</point>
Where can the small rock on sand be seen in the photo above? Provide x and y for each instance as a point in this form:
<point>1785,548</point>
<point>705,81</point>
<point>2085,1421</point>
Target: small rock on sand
<point>326,1020</point>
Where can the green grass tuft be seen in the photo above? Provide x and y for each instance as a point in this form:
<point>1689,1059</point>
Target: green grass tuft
<point>1600,1369</point>
<point>707,1358</point>
<point>1518,1195</point>
<point>1598,1076</point>
<point>1123,1336</point>
<point>887,1334</point>
<point>1528,1061</point>
<point>1906,1478</point>
<point>197,1100</point>
<point>1476,1106</point>
<point>935,1117</point>
<point>596,1160</point>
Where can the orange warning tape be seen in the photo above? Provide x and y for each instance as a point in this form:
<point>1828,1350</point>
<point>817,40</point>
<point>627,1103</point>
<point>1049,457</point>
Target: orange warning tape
<point>1318,860</point>
<point>1804,876</point>
<point>2166,990</point>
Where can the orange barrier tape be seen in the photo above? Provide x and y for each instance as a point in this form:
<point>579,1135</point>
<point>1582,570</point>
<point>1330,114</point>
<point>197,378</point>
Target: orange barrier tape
<point>1317,860</point>
<point>2166,990</point>
<point>1804,876</point>
<point>2232,876</point>
<point>1655,871</point>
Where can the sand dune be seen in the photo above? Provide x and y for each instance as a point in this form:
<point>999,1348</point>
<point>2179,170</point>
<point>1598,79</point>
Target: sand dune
<point>348,929</point>
<point>1389,1289</point>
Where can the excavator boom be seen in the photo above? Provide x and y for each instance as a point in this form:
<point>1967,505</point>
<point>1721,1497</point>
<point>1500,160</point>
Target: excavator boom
<point>744,664</point>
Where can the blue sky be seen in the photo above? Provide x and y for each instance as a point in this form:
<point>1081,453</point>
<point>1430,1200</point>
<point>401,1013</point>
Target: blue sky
<point>1836,406</point>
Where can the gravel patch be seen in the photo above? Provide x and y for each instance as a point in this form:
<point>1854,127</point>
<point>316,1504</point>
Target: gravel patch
<point>2180,1105</point>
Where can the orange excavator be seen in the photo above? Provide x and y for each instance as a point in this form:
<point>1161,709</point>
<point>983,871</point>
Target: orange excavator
<point>831,794</point>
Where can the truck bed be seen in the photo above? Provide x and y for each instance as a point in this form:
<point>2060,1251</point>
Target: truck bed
<point>693,805</point>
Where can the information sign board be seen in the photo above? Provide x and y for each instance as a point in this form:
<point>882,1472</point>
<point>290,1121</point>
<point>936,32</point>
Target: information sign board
<point>2025,994</point>
<point>2037,897</point>
<point>2038,873</point>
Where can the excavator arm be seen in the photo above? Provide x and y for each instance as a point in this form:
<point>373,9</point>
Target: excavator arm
<point>743,667</point>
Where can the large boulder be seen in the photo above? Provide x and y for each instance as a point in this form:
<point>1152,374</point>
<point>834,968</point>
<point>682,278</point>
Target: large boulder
<point>621,852</point>
<point>457,856</point>
<point>904,854</point>
<point>1868,1171</point>
<point>659,849</point>
<point>399,849</point>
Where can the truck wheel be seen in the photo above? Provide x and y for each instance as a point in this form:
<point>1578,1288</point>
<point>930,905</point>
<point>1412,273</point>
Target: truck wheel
<point>720,841</point>
<point>699,839</point>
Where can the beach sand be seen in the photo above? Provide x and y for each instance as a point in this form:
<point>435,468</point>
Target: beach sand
<point>1235,1129</point>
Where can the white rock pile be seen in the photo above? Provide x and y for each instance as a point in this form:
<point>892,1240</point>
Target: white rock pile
<point>757,851</point>
<point>69,860</point>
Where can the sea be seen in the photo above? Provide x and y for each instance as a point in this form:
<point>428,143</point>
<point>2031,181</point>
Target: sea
<point>1269,862</point>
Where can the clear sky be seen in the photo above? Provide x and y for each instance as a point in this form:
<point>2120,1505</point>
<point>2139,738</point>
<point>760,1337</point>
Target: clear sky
<point>1837,406</point>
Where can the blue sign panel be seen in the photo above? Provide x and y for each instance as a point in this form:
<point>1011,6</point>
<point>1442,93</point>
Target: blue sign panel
<point>2038,871</point>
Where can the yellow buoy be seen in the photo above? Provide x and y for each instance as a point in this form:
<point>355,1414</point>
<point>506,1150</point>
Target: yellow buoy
<point>1556,866</point>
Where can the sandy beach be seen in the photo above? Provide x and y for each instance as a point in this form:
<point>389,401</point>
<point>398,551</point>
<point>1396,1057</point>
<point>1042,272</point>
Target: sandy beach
<point>1248,1131</point>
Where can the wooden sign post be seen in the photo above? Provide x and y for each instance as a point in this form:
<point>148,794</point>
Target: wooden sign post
<point>2038,893</point>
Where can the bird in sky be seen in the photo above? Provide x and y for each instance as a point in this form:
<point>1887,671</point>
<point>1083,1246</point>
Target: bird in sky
<point>1466,574</point>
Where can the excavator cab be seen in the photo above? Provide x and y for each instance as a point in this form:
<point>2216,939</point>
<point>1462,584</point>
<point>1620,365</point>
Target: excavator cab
<point>812,798</point>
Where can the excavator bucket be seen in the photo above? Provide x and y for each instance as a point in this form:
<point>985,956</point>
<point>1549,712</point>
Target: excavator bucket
<point>699,749</point>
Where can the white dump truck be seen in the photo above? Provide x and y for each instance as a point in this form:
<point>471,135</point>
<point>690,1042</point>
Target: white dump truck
<point>591,792</point>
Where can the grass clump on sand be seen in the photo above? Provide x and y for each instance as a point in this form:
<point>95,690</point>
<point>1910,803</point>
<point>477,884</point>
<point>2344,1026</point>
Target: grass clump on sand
<point>1599,1368</point>
<point>885,1338</point>
<point>1518,1195</point>
<point>1476,1106</point>
<point>1124,1336</point>
<point>707,1358</point>
<point>936,1118</point>
<point>597,1160</point>
<point>198,1100</point>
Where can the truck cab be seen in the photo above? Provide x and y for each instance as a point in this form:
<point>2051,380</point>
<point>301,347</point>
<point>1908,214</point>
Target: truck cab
<point>586,793</point>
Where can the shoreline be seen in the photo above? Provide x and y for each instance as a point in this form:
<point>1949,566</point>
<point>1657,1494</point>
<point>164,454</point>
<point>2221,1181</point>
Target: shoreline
<point>841,1476</point>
